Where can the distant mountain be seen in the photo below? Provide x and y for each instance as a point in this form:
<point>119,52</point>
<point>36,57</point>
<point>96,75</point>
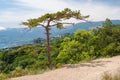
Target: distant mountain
<point>89,25</point>
<point>19,36</point>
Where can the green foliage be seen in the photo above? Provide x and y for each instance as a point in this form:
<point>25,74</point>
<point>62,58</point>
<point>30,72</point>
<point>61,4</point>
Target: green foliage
<point>3,76</point>
<point>87,45</point>
<point>1,55</point>
<point>18,72</point>
<point>55,18</point>
<point>83,45</point>
<point>69,51</point>
<point>109,50</point>
<point>85,56</point>
<point>81,35</point>
<point>39,65</point>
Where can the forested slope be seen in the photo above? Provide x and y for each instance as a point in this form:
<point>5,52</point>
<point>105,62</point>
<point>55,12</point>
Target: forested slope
<point>83,45</point>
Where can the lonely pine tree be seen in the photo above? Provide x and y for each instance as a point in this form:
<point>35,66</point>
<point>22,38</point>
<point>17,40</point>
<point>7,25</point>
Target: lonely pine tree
<point>53,20</point>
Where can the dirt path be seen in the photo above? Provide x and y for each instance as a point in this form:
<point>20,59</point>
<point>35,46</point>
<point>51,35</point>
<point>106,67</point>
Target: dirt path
<point>85,71</point>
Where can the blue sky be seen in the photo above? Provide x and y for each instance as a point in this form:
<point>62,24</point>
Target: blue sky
<point>13,12</point>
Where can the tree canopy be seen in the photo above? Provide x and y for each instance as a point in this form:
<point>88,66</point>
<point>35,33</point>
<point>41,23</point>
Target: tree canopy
<point>55,18</point>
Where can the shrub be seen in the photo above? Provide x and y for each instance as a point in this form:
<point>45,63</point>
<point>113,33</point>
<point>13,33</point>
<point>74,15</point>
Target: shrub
<point>18,72</point>
<point>109,50</point>
<point>39,65</point>
<point>58,65</point>
<point>69,51</point>
<point>3,76</point>
<point>108,76</point>
<point>26,62</point>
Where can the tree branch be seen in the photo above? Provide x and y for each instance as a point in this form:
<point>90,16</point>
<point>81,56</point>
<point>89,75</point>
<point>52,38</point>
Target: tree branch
<point>41,25</point>
<point>86,20</point>
<point>62,23</point>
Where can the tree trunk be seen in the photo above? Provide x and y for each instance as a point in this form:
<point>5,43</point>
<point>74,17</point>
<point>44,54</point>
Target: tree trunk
<point>48,45</point>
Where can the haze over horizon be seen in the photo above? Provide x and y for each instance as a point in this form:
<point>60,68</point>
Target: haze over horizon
<point>13,12</point>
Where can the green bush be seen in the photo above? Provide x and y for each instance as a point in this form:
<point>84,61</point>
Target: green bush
<point>109,50</point>
<point>39,65</point>
<point>18,72</point>
<point>70,51</point>
<point>1,55</point>
<point>3,76</point>
<point>85,56</point>
<point>26,62</point>
<point>8,68</point>
<point>58,65</point>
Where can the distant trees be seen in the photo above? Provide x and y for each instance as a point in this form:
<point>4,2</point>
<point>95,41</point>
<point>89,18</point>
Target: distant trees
<point>38,40</point>
<point>54,19</point>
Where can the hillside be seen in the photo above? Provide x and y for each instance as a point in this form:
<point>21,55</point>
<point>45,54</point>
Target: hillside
<point>83,45</point>
<point>92,70</point>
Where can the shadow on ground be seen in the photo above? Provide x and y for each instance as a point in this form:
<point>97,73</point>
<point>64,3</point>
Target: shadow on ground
<point>89,64</point>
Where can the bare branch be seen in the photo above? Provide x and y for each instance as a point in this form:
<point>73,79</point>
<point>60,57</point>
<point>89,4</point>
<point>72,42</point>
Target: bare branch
<point>67,23</point>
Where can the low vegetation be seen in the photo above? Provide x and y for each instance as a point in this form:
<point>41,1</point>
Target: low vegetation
<point>108,76</point>
<point>83,45</point>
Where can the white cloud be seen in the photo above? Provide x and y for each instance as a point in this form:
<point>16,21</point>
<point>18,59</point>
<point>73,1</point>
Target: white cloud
<point>12,18</point>
<point>44,4</point>
<point>2,28</point>
<point>96,11</point>
<point>101,12</point>
<point>39,7</point>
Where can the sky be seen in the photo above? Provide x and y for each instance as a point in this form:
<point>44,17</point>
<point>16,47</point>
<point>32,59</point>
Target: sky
<point>14,12</point>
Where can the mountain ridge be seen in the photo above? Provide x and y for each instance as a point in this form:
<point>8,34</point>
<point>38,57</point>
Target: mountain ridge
<point>19,36</point>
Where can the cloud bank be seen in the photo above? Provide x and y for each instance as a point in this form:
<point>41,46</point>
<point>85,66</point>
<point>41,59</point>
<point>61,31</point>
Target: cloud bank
<point>24,9</point>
